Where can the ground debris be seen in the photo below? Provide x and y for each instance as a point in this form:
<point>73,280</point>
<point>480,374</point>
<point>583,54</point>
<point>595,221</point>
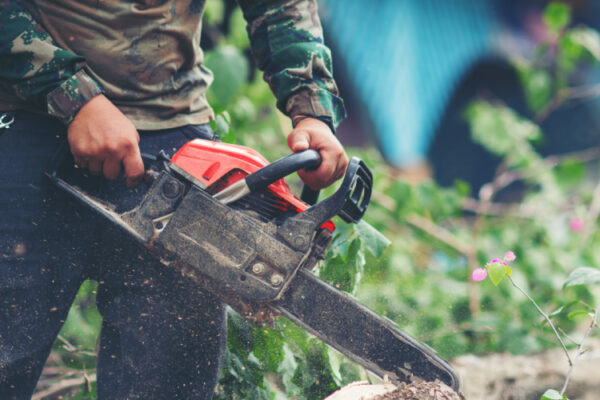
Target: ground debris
<point>421,391</point>
<point>525,377</point>
<point>413,391</point>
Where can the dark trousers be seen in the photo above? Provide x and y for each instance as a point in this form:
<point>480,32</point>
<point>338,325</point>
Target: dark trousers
<point>161,337</point>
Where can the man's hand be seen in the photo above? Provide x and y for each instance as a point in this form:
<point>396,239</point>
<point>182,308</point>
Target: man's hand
<point>310,133</point>
<point>103,140</point>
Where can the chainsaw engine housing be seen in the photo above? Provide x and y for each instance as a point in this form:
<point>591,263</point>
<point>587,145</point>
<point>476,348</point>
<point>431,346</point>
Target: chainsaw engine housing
<point>250,249</point>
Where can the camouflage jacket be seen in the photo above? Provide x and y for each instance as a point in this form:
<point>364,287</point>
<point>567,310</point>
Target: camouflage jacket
<point>145,56</point>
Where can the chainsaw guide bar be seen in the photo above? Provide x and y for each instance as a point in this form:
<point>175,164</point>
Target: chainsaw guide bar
<point>223,216</point>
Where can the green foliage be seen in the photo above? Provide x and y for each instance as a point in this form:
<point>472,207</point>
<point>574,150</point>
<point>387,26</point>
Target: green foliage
<point>501,131</point>
<point>346,257</point>
<point>230,69</point>
<point>314,376</point>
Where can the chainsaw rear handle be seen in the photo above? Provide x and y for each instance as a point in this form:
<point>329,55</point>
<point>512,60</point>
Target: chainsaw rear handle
<point>305,159</point>
<point>350,202</point>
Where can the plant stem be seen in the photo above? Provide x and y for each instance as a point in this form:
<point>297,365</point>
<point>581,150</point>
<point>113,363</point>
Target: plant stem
<point>593,213</point>
<point>439,233</point>
<point>580,350</point>
<point>64,385</point>
<point>546,317</point>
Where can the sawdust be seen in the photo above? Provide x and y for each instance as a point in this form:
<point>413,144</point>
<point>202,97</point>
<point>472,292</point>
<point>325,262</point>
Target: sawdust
<point>421,391</point>
<point>387,391</point>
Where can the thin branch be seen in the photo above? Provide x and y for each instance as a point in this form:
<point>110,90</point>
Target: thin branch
<point>439,233</point>
<point>505,177</point>
<point>565,334</point>
<point>545,316</point>
<point>500,209</point>
<point>63,386</point>
<point>593,213</point>
<point>583,92</point>
<point>580,350</point>
<point>72,349</point>
<point>559,98</point>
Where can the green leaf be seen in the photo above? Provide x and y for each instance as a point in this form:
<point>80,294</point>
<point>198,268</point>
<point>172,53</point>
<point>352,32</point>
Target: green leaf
<point>552,394</point>
<point>536,82</point>
<point>314,373</point>
<point>238,36</point>
<point>497,272</point>
<point>343,269</point>
<point>570,173</point>
<point>462,187</point>
<point>557,16</point>
<point>221,127</point>
<point>371,238</point>
<point>538,88</point>
<point>230,69</point>
<point>588,39</point>
<point>562,308</point>
<point>213,12</point>
<point>578,313</point>
<point>582,276</point>
<point>404,196</point>
<point>349,372</point>
<point>268,347</point>
<point>296,337</point>
<point>239,334</point>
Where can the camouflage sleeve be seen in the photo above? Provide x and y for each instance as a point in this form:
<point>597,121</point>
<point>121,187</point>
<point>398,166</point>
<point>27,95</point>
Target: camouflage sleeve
<point>287,43</point>
<point>36,70</point>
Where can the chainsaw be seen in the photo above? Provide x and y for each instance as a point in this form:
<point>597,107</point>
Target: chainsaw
<point>223,216</point>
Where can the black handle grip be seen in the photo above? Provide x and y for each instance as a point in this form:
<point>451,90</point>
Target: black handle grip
<point>309,196</point>
<point>282,168</point>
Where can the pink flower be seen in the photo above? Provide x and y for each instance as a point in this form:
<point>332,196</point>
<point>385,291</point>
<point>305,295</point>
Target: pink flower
<point>479,274</point>
<point>509,256</point>
<point>495,260</point>
<point>576,225</point>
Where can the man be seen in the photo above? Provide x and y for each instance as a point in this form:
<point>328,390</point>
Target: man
<point>116,78</point>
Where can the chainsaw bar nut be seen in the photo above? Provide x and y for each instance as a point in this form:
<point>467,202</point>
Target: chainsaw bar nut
<point>171,188</point>
<point>258,268</point>
<point>276,279</point>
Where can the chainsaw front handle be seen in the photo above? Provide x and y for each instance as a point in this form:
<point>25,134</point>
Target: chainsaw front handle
<point>305,159</point>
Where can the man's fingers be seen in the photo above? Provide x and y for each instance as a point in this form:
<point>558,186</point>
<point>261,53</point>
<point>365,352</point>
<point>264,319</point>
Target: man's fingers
<point>104,140</point>
<point>134,167</point>
<point>331,169</point>
<point>80,161</point>
<point>312,133</point>
<point>95,166</point>
<point>322,177</point>
<point>112,168</point>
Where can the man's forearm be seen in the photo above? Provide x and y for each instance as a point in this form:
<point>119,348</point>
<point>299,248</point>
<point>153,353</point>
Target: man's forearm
<point>34,69</point>
<point>287,42</point>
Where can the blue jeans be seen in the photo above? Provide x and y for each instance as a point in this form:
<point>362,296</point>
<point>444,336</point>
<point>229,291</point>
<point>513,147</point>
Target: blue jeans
<point>161,337</point>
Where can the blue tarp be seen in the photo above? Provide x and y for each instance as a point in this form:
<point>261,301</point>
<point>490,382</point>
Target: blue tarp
<point>405,57</point>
